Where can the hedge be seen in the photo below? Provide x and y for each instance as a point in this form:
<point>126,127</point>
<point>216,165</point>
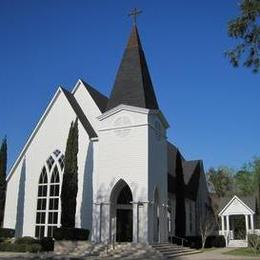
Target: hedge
<point>47,243</point>
<point>27,244</point>
<point>254,241</point>
<point>196,242</point>
<point>26,241</point>
<point>7,232</point>
<point>13,247</point>
<point>71,234</point>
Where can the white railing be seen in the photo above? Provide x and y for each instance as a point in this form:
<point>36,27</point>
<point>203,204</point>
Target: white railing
<point>256,231</point>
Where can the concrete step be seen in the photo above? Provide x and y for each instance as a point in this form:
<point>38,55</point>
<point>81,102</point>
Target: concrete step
<point>172,250</point>
<point>131,251</point>
<point>237,243</point>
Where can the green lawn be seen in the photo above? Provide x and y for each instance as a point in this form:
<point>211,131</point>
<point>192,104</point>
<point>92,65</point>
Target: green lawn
<point>242,252</point>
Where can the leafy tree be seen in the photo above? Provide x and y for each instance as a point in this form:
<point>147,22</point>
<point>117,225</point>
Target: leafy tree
<point>70,179</point>
<point>3,163</point>
<point>221,179</point>
<point>246,29</point>
<point>244,182</point>
<point>180,220</point>
<point>256,171</point>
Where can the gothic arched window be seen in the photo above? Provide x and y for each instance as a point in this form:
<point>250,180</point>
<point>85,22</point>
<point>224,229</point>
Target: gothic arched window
<point>48,200</point>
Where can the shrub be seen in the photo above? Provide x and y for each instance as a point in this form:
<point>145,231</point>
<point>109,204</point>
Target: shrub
<point>211,241</point>
<point>71,234</point>
<point>13,247</point>
<point>7,232</point>
<point>215,241</point>
<point>193,242</point>
<point>47,244</point>
<point>254,242</point>
<point>33,248</point>
<point>26,240</point>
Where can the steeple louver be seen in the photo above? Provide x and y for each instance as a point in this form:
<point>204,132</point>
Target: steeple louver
<point>133,85</point>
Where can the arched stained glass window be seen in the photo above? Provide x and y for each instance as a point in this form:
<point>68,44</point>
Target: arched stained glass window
<point>61,161</point>
<point>50,162</point>
<point>56,153</point>
<point>43,177</point>
<point>41,203</point>
<point>48,200</point>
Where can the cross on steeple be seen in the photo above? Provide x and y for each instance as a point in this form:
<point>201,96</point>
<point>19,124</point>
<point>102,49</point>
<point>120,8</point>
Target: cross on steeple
<point>134,14</point>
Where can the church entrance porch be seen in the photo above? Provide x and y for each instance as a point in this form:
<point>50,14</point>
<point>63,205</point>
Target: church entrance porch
<point>121,213</point>
<point>237,221</point>
<point>237,227</point>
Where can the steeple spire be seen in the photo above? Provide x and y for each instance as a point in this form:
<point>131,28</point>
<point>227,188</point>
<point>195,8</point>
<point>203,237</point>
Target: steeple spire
<point>133,85</point>
<point>134,14</point>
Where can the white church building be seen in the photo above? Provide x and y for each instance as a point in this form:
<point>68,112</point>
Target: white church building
<point>126,166</point>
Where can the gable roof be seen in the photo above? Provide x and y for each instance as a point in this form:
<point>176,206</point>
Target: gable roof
<point>100,99</point>
<point>133,85</point>
<point>248,201</point>
<point>188,169</point>
<point>172,151</point>
<point>192,171</point>
<point>193,179</point>
<point>77,111</point>
<point>80,114</point>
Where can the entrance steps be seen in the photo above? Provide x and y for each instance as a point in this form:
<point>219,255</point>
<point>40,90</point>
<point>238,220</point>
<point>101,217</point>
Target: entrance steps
<point>131,251</point>
<point>172,250</point>
<point>237,243</point>
<point>82,249</point>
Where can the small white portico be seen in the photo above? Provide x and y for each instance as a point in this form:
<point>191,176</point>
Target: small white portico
<point>234,209</point>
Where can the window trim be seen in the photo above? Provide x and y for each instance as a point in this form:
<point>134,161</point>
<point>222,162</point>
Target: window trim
<point>49,172</point>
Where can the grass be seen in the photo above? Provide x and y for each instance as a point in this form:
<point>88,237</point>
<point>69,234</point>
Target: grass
<point>242,252</point>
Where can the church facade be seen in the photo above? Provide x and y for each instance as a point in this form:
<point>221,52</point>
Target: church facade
<point>130,177</point>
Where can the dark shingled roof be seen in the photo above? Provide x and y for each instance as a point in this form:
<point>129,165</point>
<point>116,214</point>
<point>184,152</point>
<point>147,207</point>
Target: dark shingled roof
<point>192,171</point>
<point>250,201</point>
<point>188,169</point>
<point>192,185</point>
<point>100,99</point>
<point>133,85</point>
<point>171,158</point>
<point>80,114</point>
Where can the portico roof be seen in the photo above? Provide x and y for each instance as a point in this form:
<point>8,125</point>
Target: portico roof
<point>237,206</point>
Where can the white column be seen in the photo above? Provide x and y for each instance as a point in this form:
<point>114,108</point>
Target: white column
<point>252,222</point>
<point>136,234</point>
<point>246,217</point>
<point>222,224</point>
<point>100,221</point>
<point>228,228</point>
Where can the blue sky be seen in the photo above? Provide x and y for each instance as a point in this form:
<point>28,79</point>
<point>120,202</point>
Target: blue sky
<point>213,109</point>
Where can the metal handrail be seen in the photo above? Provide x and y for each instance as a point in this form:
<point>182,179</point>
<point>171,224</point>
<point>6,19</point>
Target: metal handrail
<point>181,238</point>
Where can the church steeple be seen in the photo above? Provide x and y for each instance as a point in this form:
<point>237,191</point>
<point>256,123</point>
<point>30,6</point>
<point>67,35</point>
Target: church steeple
<point>133,85</point>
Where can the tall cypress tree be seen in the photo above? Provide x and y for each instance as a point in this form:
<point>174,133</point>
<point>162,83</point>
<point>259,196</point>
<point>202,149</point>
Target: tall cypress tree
<point>180,220</point>
<point>3,163</point>
<point>70,179</point>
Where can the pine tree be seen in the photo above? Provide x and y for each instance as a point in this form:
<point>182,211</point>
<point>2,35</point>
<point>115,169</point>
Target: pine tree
<point>70,179</point>
<point>180,220</point>
<point>3,163</point>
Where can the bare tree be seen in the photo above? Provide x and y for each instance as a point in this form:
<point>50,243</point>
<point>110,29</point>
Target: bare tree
<point>207,226</point>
